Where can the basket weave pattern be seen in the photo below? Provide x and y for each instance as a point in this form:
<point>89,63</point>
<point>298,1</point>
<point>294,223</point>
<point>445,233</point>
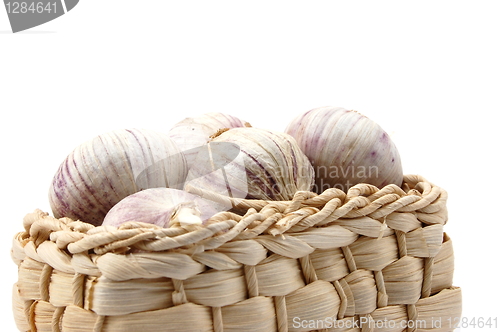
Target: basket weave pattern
<point>329,262</point>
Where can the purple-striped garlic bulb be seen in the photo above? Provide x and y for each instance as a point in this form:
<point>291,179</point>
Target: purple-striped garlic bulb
<point>102,171</point>
<point>164,207</point>
<point>346,148</point>
<point>269,165</point>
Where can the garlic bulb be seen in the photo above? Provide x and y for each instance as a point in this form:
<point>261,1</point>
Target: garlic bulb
<point>101,172</point>
<point>346,148</point>
<point>164,207</point>
<point>269,165</point>
<point>194,132</point>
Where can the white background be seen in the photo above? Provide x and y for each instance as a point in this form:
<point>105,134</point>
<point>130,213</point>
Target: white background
<point>428,72</point>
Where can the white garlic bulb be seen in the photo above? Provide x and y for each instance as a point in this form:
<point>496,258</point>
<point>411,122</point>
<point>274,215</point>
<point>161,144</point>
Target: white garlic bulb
<point>346,148</point>
<point>104,170</point>
<point>269,165</point>
<point>194,132</point>
<point>164,207</point>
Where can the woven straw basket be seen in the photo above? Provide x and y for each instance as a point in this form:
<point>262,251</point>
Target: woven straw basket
<point>369,260</point>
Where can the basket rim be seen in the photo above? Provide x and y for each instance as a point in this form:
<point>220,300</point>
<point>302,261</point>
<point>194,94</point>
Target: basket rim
<point>333,211</point>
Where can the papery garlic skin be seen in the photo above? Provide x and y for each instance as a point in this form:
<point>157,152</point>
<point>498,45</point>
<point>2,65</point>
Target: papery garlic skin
<point>270,164</point>
<point>219,167</point>
<point>164,207</point>
<point>346,148</point>
<point>210,165</point>
<point>102,171</point>
<point>194,132</point>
